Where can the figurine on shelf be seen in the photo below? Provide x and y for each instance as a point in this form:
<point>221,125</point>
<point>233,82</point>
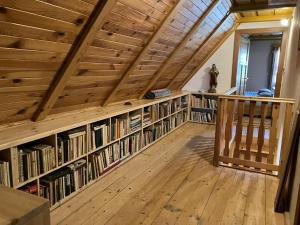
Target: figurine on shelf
<point>213,79</point>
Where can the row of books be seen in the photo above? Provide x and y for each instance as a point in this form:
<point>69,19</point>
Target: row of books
<point>58,185</point>
<point>103,160</point>
<point>71,145</point>
<point>156,131</point>
<point>175,105</point>
<point>34,160</point>
<point>31,188</point>
<point>203,102</point>
<point>164,109</point>
<point>135,122</point>
<point>203,117</point>
<point>119,127</point>
<point>184,101</point>
<point>100,161</point>
<point>5,173</point>
<point>130,145</point>
<point>100,134</point>
<point>151,114</point>
<point>148,136</point>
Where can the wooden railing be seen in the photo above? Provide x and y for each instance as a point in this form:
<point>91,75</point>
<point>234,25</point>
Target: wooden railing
<point>248,132</point>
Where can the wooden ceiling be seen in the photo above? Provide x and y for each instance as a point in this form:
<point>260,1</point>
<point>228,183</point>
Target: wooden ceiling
<point>57,56</point>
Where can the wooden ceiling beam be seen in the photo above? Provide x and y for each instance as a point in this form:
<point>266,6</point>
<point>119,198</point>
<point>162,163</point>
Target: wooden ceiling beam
<point>198,49</point>
<point>259,6</point>
<point>251,19</point>
<point>69,66</point>
<point>179,48</point>
<point>163,25</point>
<point>226,36</point>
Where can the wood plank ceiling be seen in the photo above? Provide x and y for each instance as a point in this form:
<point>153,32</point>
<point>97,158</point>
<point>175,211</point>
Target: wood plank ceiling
<point>122,59</point>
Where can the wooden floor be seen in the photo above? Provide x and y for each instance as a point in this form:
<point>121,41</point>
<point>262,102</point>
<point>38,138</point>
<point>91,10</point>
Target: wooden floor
<point>173,182</point>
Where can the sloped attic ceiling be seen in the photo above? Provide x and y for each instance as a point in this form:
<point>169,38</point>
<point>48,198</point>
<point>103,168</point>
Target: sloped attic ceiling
<point>137,45</point>
<point>57,56</point>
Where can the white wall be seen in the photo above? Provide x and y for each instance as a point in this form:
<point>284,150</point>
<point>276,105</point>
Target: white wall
<point>223,58</point>
<point>290,89</point>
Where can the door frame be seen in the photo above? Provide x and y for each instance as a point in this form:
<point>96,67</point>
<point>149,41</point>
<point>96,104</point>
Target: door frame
<point>237,42</point>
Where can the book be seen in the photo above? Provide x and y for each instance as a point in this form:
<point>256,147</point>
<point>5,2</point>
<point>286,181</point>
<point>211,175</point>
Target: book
<point>71,145</point>
<point>100,134</point>
<point>5,177</point>
<point>147,136</point>
<point>201,101</point>
<point>119,127</point>
<point>61,183</point>
<point>203,117</point>
<point>135,122</point>
<point>164,109</point>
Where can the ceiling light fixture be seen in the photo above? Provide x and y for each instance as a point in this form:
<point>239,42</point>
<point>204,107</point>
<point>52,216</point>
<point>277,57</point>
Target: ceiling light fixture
<point>284,22</point>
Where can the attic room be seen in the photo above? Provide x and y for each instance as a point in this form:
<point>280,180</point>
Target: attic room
<point>149,112</point>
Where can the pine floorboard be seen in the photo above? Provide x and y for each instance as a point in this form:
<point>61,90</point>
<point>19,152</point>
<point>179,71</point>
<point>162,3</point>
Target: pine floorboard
<point>174,183</point>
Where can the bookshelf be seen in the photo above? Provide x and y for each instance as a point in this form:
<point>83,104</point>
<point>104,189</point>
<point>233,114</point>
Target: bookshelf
<point>203,108</point>
<point>62,162</point>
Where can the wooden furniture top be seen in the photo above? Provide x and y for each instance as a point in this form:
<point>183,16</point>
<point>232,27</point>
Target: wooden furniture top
<point>27,131</point>
<point>18,207</point>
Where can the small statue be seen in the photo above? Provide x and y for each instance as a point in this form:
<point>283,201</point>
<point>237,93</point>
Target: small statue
<point>213,79</point>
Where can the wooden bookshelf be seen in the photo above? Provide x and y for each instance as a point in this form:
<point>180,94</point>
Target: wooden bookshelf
<point>203,108</point>
<point>79,158</point>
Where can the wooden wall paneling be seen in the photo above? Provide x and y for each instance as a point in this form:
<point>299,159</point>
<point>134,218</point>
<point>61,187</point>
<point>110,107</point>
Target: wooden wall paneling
<point>146,8</point>
<point>46,9</point>
<point>227,34</point>
<point>92,61</point>
<point>24,54</point>
<point>208,48</point>
<point>74,5</point>
<point>70,63</point>
<point>199,48</point>
<point>135,14</point>
<point>145,50</point>
<point>180,47</point>
<point>118,28</point>
<point>92,50</point>
<point>19,30</point>
<point>33,44</point>
<point>21,17</point>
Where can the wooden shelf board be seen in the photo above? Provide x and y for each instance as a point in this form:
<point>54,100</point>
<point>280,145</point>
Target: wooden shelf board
<point>27,131</point>
<point>123,161</point>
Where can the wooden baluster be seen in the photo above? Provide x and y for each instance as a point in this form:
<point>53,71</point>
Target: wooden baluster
<point>261,131</point>
<point>218,133</point>
<point>249,137</point>
<point>285,135</point>
<point>239,129</point>
<point>273,132</point>
<point>223,125</point>
<point>228,127</point>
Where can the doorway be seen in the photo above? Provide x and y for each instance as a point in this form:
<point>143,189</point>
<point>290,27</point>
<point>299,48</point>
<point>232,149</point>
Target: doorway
<point>258,61</point>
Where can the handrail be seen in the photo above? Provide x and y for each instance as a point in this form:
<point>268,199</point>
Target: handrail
<point>248,132</point>
<point>260,99</point>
